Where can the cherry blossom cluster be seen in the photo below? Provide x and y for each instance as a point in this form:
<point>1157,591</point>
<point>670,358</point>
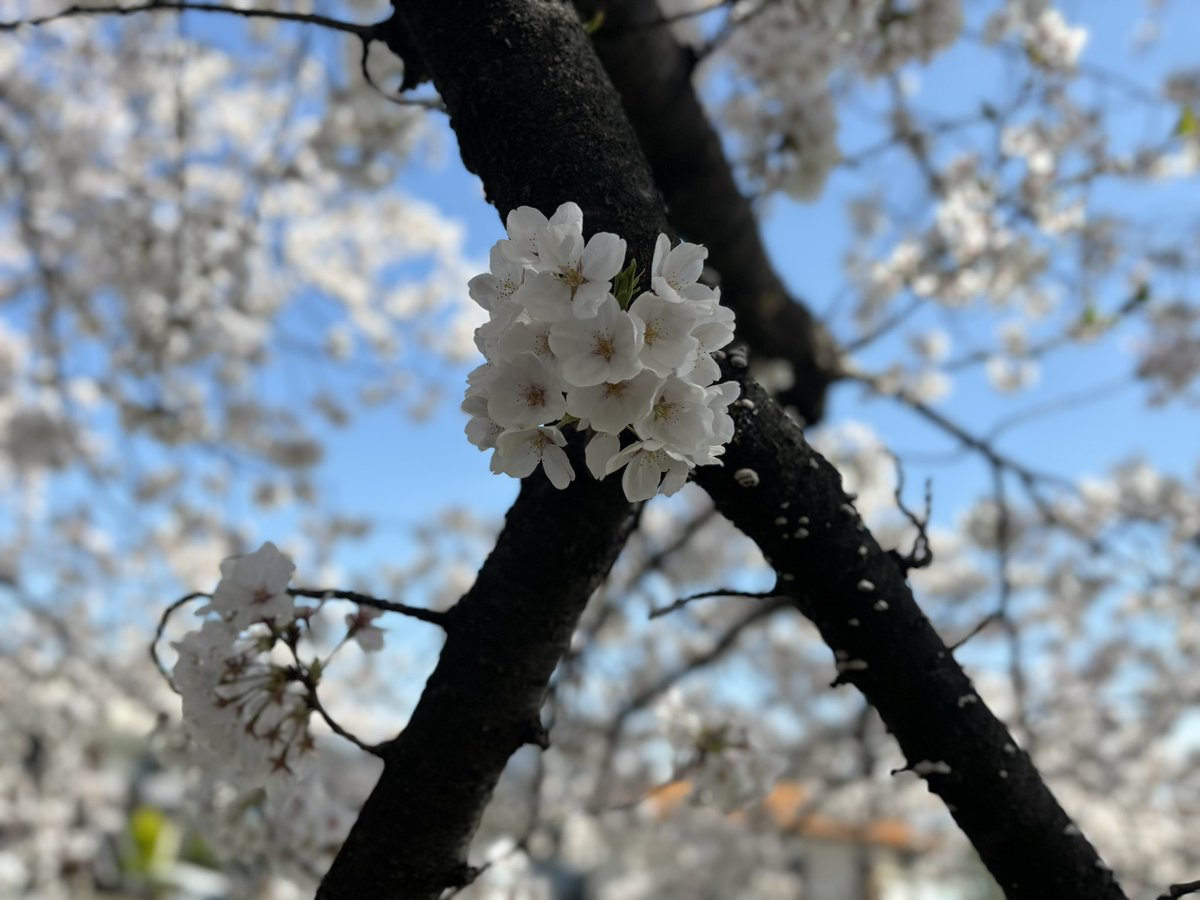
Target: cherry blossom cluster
<point>785,58</point>
<point>240,700</point>
<point>1050,41</point>
<point>570,340</point>
<point>248,697</point>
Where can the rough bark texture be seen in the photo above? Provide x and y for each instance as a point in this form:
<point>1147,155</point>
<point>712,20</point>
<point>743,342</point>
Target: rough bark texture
<point>482,702</point>
<point>857,596</point>
<point>538,122</point>
<point>536,117</point>
<point>653,75</point>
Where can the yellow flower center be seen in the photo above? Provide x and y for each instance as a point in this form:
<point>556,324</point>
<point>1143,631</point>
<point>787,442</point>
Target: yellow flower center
<point>535,396</point>
<point>572,277</point>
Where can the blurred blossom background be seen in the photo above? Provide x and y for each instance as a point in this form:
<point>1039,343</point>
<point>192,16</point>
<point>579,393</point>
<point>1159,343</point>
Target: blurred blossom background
<point>234,309</point>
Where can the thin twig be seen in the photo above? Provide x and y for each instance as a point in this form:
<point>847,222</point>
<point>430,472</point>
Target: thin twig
<point>979,626</point>
<point>1065,402</point>
<point>431,103</point>
<point>1003,553</point>
<point>883,328</point>
<point>719,592</point>
<point>314,703</point>
<point>980,445</point>
<point>1180,890</point>
<point>1099,74</point>
<point>433,617</point>
<point>162,627</point>
<point>366,32</point>
<point>643,698</point>
<point>662,18</point>
<point>922,553</point>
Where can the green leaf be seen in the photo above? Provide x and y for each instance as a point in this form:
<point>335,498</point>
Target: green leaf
<point>595,23</point>
<point>625,285</point>
<point>1188,124</point>
<point>153,840</point>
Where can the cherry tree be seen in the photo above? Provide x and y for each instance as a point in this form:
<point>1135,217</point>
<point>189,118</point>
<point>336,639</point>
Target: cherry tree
<point>192,216</point>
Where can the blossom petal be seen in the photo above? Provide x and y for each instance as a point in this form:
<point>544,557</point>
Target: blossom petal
<point>600,450</point>
<point>603,257</point>
<point>557,467</point>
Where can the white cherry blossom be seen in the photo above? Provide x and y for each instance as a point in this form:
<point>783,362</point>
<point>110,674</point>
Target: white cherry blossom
<point>712,333</point>
<point>518,453</point>
<point>500,284</point>
<point>650,468</point>
<point>558,344</point>
<point>601,349</point>
<point>481,429</point>
<point>254,588</point>
<point>525,392</point>
<point>528,337</point>
<point>524,224</point>
<point>610,407</point>
<point>600,449</point>
<point>675,272</point>
<point>666,328</point>
<point>680,417</point>
<point>361,628</point>
<point>572,277</point>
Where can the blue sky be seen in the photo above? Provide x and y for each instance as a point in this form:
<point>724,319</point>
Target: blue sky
<point>401,469</point>
<point>390,468</point>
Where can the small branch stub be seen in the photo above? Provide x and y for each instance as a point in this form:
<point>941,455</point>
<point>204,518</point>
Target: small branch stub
<point>747,478</point>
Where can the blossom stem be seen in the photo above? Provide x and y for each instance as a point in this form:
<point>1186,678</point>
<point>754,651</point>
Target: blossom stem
<point>432,616</point>
<point>162,627</point>
<point>314,703</point>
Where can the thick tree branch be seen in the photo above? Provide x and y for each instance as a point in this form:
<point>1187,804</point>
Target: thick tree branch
<point>535,115</point>
<point>483,700</point>
<point>538,122</point>
<point>856,594</point>
<point>653,75</point>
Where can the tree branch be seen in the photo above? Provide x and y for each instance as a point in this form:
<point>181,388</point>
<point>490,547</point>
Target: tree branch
<point>653,75</point>
<point>366,32</point>
<point>538,122</point>
<point>314,703</point>
<point>533,111</point>
<point>680,603</point>
<point>432,616</point>
<point>885,647</point>
<point>161,630</point>
<point>1180,890</point>
<point>483,699</point>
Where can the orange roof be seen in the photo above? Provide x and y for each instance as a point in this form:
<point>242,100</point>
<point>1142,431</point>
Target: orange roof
<point>785,807</point>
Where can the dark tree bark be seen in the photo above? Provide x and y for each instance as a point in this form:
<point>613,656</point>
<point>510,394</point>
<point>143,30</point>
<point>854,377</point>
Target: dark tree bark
<point>483,701</point>
<point>857,596</point>
<point>538,121</point>
<point>653,74</point>
<point>536,117</point>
